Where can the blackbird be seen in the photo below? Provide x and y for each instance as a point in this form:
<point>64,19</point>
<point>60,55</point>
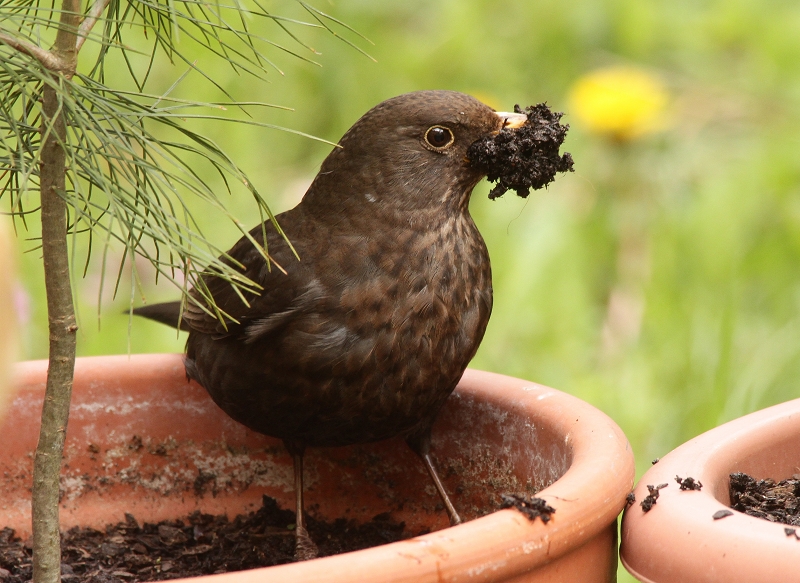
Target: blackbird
<point>365,332</point>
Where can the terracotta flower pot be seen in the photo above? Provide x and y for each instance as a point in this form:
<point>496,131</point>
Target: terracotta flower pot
<point>140,437</point>
<point>679,540</point>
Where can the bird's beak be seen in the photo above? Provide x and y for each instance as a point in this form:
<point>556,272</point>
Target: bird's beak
<point>512,120</point>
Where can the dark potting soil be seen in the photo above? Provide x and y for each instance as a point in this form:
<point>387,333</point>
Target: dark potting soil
<point>689,483</point>
<point>652,498</point>
<point>530,506</point>
<point>523,158</point>
<point>200,544</point>
<point>767,499</point>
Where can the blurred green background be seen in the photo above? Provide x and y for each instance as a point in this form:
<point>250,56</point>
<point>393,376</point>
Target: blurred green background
<point>659,282</point>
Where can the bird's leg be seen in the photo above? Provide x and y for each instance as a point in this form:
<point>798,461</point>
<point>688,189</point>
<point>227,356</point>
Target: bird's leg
<point>304,548</point>
<point>421,445</point>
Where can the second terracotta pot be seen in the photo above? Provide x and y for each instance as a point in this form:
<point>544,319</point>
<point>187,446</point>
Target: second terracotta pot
<point>143,440</point>
<point>679,540</point>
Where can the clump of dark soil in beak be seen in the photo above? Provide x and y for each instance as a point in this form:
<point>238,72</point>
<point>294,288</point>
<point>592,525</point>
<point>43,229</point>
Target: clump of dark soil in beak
<point>525,157</point>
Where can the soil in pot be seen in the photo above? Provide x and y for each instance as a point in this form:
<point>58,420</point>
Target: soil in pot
<point>199,544</point>
<point>767,499</point>
<point>204,544</point>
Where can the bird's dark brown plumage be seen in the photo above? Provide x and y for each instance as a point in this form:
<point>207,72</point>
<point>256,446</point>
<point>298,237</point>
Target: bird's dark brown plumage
<point>368,333</point>
<point>365,336</point>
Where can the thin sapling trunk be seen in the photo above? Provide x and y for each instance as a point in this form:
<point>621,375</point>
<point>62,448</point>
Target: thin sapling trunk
<point>60,310</point>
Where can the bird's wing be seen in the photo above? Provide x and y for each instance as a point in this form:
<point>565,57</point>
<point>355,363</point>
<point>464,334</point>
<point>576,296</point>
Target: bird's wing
<point>284,285</point>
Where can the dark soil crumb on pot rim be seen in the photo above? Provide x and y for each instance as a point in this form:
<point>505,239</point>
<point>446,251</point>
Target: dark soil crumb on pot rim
<point>651,499</point>
<point>530,506</point>
<point>689,483</point>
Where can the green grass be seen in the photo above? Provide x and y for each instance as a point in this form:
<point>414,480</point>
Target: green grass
<point>694,233</point>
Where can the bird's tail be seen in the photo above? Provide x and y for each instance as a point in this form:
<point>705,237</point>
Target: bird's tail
<point>168,313</point>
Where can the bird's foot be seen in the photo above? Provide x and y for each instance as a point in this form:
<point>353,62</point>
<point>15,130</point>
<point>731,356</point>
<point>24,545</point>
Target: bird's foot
<point>304,548</point>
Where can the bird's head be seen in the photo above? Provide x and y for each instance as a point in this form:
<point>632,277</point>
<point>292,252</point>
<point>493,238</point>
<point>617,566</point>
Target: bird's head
<point>409,153</point>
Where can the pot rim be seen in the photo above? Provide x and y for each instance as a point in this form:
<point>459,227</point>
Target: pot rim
<point>678,540</point>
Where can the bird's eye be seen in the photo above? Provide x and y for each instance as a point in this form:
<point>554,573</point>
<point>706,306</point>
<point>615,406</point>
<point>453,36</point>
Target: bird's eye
<point>439,137</point>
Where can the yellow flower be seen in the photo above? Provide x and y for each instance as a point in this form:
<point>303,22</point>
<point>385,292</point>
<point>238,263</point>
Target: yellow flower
<point>622,102</point>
